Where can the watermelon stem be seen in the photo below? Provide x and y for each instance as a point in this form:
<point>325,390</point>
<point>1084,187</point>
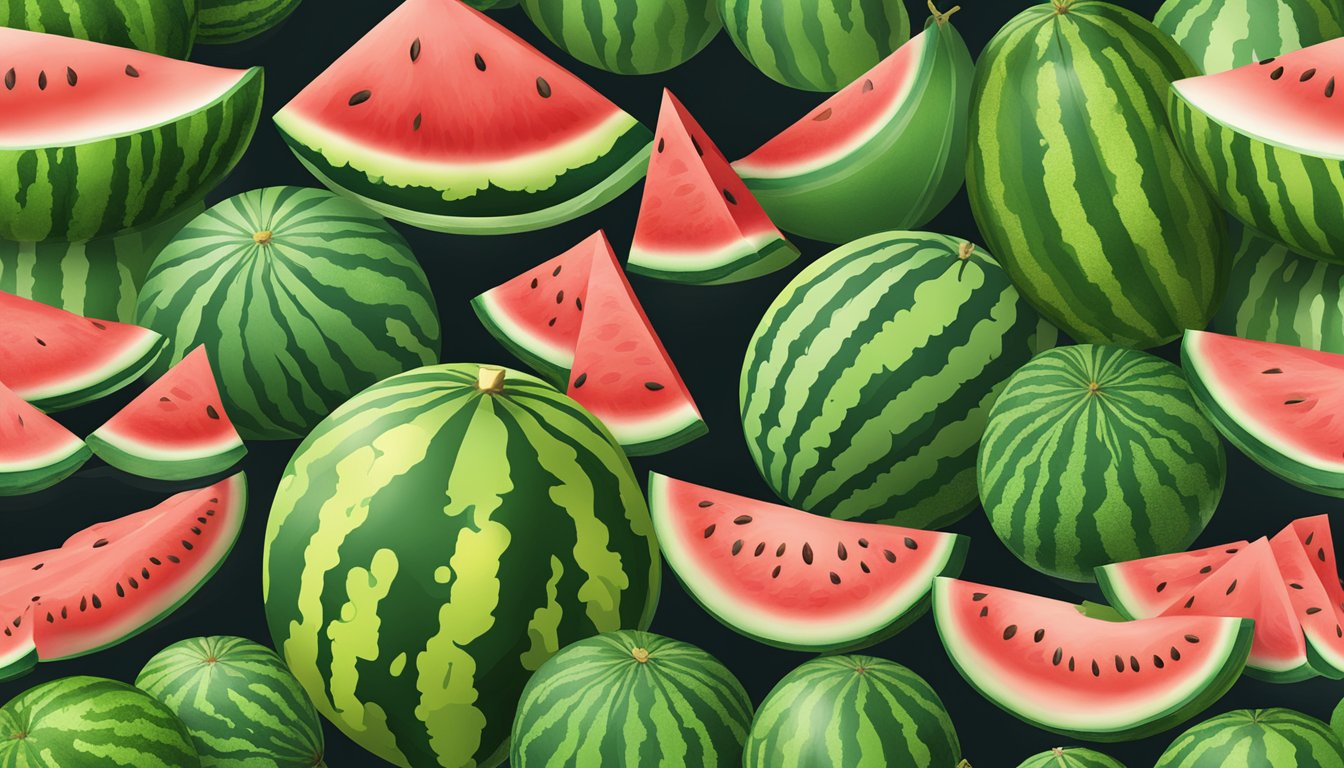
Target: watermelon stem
<point>490,380</point>
<point>641,655</point>
<point>939,16</point>
<point>1062,6</point>
<point>967,248</point>
<point>263,237</point>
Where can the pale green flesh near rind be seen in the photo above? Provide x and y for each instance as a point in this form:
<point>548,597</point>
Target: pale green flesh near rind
<point>752,256</point>
<point>42,472</point>
<point>94,384</point>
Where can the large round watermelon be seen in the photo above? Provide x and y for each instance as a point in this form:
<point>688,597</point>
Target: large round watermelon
<point>434,541</point>
<point>165,27</point>
<point>79,722</point>
<point>1097,454</point>
<point>1071,757</point>
<point>867,385</point>
<point>852,711</point>
<point>232,21</point>
<point>1264,738</point>
<point>631,698</point>
<point>1233,33</point>
<point>302,299</point>
<point>633,37</point>
<point>238,701</point>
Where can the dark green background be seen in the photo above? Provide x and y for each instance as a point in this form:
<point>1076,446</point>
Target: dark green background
<point>706,330</point>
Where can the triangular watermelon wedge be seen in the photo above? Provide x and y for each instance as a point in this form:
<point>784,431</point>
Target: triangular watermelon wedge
<point>1144,588</point>
<point>56,359</point>
<point>35,451</point>
<point>175,430</point>
<point>1321,618</point>
<point>698,222</point>
<point>1314,533</point>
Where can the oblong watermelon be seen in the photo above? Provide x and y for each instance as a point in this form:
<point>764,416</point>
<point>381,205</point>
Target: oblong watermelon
<point>1148,586</point>
<point>35,451</point>
<point>1272,738</point>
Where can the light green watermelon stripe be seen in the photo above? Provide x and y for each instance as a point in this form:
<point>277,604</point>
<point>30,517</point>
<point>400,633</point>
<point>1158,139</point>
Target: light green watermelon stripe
<point>165,27</point>
<point>231,21</point>
<point>1273,738</point>
<point>634,38</point>
<point>1280,296</point>
<point>1070,757</point>
<point>1223,34</point>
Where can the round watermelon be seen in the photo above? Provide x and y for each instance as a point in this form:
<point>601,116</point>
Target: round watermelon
<point>86,721</point>
<point>852,711</point>
<point>1268,738</point>
<point>632,37</point>
<point>232,21</point>
<point>1071,757</point>
<point>239,702</point>
<point>870,378</point>
<point>631,698</point>
<point>434,541</point>
<point>165,27</point>
<point>815,45</point>
<point>1098,454</point>
<point>302,299</point>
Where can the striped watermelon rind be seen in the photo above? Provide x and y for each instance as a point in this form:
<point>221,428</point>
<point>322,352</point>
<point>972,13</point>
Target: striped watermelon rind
<point>1224,35</point>
<point>1278,738</point>
<point>24,466</point>
<point>165,27</point>
<point>631,37</point>
<point>1071,757</point>
<point>232,21</point>
<point>631,698</point>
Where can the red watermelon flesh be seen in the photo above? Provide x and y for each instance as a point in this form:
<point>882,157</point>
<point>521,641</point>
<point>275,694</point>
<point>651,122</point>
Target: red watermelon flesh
<point>18,652</point>
<point>35,451</point>
<point>1144,588</point>
<point>1314,533</point>
<point>1322,620</point>
<point>793,579</point>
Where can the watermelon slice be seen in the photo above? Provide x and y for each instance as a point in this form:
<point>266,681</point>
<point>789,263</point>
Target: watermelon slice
<point>1321,619</point>
<point>1053,667</point>
<point>793,579</point>
<point>35,451</point>
<point>1144,588</point>
<point>116,579</point>
<point>698,223</point>
<point>1314,532</point>
<point>1283,406</point>
<point>175,430</point>
<point>443,119</point>
<point>55,359</point>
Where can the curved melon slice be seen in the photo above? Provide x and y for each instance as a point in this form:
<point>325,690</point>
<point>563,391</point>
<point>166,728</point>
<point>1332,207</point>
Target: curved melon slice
<point>1046,663</point>
<point>698,223</point>
<point>793,579</point>
<point>1321,617</point>
<point>55,359</point>
<point>1144,588</point>
<point>886,152</point>
<point>175,430</point>
<point>1283,406</point>
<point>441,118</point>
<point>35,451</point>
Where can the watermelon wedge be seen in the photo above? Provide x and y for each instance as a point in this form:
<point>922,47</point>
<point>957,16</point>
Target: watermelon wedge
<point>1283,406</point>
<point>1147,587</point>
<point>175,430</point>
<point>1314,533</point>
<point>35,451</point>
<point>55,359</point>
<point>1051,666</point>
<point>793,579</point>
<point>698,223</point>
<point>1321,619</point>
<point>116,579</point>
<point>442,118</point>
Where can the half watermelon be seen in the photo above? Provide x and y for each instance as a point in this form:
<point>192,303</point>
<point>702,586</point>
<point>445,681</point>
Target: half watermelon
<point>55,359</point>
<point>1283,406</point>
<point>1315,597</point>
<point>175,430</point>
<point>1147,587</point>
<point>793,579</point>
<point>442,118</point>
<point>35,451</point>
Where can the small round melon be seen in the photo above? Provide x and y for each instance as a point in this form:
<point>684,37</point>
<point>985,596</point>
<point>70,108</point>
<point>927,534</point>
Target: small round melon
<point>1071,757</point>
<point>1277,738</point>
<point>232,21</point>
<point>632,37</point>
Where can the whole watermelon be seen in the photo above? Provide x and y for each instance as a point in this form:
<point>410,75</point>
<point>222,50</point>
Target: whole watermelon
<point>1232,33</point>
<point>869,380</point>
<point>1098,454</point>
<point>631,698</point>
<point>239,702</point>
<point>852,711</point>
<point>1071,757</point>
<point>165,27</point>
<point>1076,182</point>
<point>232,21</point>
<point>1263,738</point>
<point>82,722</point>
<point>434,541</point>
<point>632,37</point>
<point>815,45</point>
<point>301,297</point>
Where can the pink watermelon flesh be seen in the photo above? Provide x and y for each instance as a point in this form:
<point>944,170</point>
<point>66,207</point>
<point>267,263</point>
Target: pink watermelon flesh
<point>1322,620</point>
<point>1144,588</point>
<point>698,222</point>
<point>1050,665</point>
<point>35,451</point>
<point>1314,533</point>
<point>175,430</point>
<point>116,579</point>
<point>794,579</point>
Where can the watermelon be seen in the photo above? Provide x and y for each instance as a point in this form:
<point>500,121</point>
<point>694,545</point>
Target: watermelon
<point>1314,533</point>
<point>434,541</point>
<point>698,223</point>
<point>35,451</point>
<point>175,430</point>
<point>1097,454</point>
<point>1046,663</point>
<point>1315,599</point>
<point>886,152</point>
<point>239,703</point>
<point>1067,105</point>
<point>86,721</point>
<point>1271,738</point>
<point>232,21</point>
<point>494,138</point>
<point>852,711</point>
<point>1148,586</point>
<point>632,37</point>
<point>165,27</point>
<point>766,571</point>
<point>1233,33</point>
<point>56,359</point>
<point>1337,720</point>
<point>1071,757</point>
<point>815,45</point>
<point>89,124</point>
<point>631,698</point>
<point>303,299</point>
<point>852,415</point>
<point>1283,406</point>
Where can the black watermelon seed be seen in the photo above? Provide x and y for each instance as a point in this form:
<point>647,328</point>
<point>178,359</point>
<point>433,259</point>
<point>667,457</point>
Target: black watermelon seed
<point>173,559</point>
<point>1009,631</point>
<point>64,613</point>
<point>863,543</point>
<point>1190,602</point>
<point>1267,61</point>
<point>807,553</point>
<point>559,297</point>
<point>1310,536</point>
<point>1232,551</point>
<point>1330,88</point>
<point>1071,664</point>
<point>1039,636</point>
<point>705,504</point>
<point>1313,611</point>
<point>144,573</point>
<point>911,543</point>
<point>1192,638</point>
<point>864,567</point>
<point>729,197</point>
<point>760,548</point>
<point>841,552</point>
<point>359,97</point>
<point>737,546</point>
<point>1161,586</point>
<point>40,342</point>
<point>38,567</point>
<point>779,552</point>
<point>661,143</point>
<point>187,545</point>
<point>579,382</point>
<point>709,531</point>
<point>556,272</point>
<point>984,612</point>
<point>1339,631</point>
<point>97,603</point>
<point>775,573</point>
<point>1232,587</point>
<point>1058,657</point>
<point>415,49</point>
<point>211,412</point>
<point>415,126</point>
<point>11,79</point>
<point>134,584</point>
<point>120,592</point>
<point>978,596</point>
<point>1293,402</point>
<point>100,543</point>
<point>132,71</point>
<point>1272,370</point>
<point>52,619</point>
<point>1119,664</point>
<point>42,80</point>
<point>578,302</point>
<point>480,62</point>
<point>551,323</point>
<point>891,556</point>
<point>1295,585</point>
<point>543,88</point>
<point>1158,662</point>
<point>1310,73</point>
<point>696,144</point>
<point>83,604</point>
<point>824,114</point>
<point>71,77</point>
<point>534,282</point>
<point>1320,555</point>
<point>741,519</point>
<point>1133,663</point>
<point>835,577</point>
<point>1206,569</point>
<point>196,530</point>
<point>1276,74</point>
<point>1096,670</point>
<point>867,85</point>
<point>652,386</point>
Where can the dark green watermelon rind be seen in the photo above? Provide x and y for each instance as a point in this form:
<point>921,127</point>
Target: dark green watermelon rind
<point>772,257</point>
<point>42,478</point>
<point>554,374</point>
<point>220,24</point>
<point>113,381</point>
<point>690,430</point>
<point>163,467</point>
